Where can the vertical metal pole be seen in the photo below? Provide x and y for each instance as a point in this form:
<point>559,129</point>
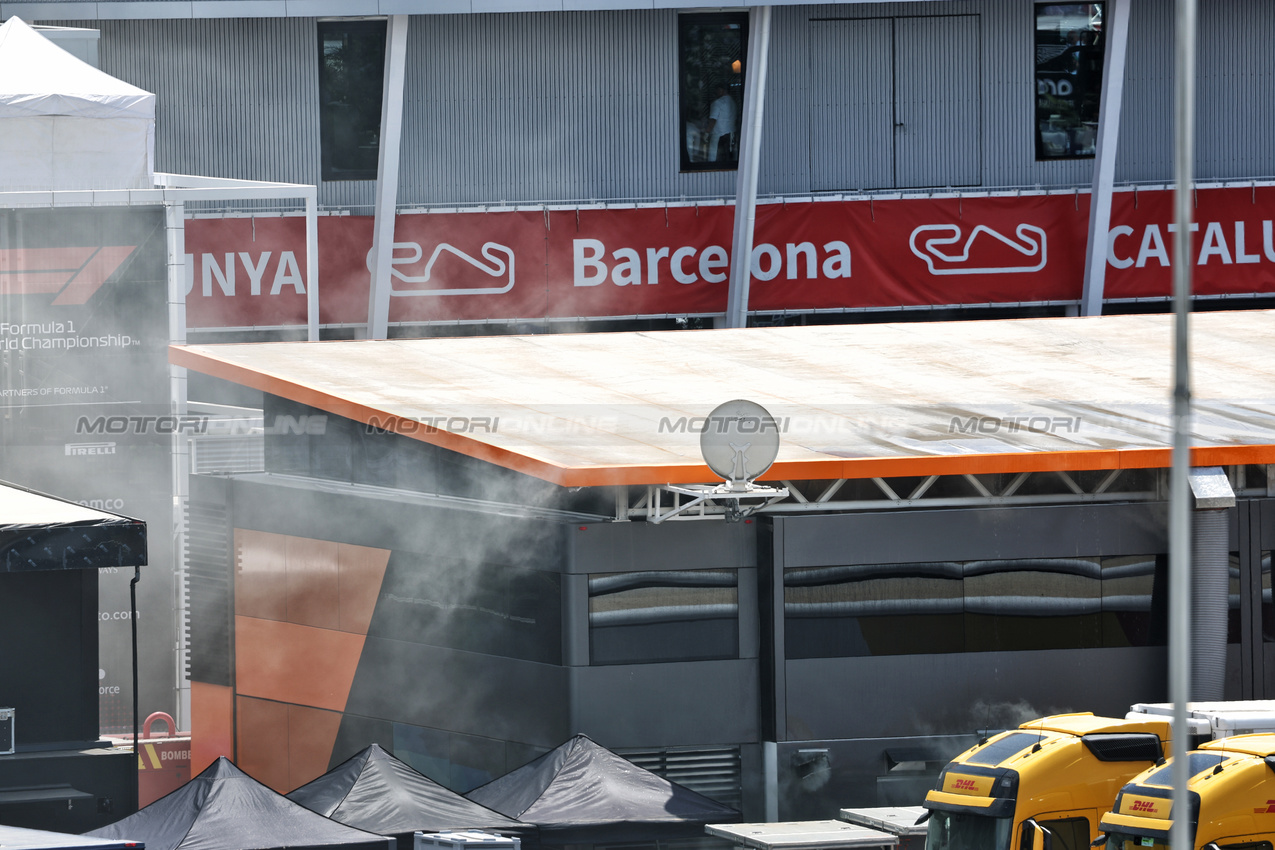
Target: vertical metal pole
<point>312,265</point>
<point>378,304</point>
<point>1179,485</point>
<point>741,252</point>
<point>179,445</point>
<point>1104,171</point>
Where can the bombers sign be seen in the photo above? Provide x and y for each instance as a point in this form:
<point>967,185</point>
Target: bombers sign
<point>675,260</point>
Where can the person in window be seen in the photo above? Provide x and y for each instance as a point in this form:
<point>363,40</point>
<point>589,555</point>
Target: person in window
<point>723,115</point>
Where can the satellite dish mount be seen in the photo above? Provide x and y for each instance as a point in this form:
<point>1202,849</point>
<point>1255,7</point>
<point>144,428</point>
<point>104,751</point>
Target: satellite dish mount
<point>739,442</point>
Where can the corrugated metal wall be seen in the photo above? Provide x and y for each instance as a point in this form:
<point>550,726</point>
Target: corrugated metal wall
<point>582,106</point>
<point>234,98</point>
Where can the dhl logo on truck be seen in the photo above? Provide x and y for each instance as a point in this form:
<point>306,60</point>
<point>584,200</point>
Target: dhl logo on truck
<point>1145,806</point>
<point>957,783</point>
<point>1269,810</point>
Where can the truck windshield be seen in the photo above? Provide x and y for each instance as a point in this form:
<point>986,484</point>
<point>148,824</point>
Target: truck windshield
<point>1125,841</point>
<point>960,831</point>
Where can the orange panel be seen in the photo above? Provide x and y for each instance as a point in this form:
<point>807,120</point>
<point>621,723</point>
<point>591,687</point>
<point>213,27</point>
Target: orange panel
<point>311,738</point>
<point>295,664</point>
<point>262,729</point>
<point>211,724</point>
<point>261,588</point>
<point>361,571</point>
<point>313,595</point>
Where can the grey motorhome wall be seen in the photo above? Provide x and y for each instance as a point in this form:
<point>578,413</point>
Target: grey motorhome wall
<point>585,115</point>
<point>869,647</point>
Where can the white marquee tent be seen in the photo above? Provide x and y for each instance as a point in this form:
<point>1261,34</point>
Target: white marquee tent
<point>66,125</point>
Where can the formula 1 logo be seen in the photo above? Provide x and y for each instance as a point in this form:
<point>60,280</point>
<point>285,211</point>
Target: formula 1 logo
<point>456,277</point>
<point>942,249</point>
<point>72,274</point>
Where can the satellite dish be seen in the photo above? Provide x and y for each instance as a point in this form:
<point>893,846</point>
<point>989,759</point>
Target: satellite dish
<point>740,441</point>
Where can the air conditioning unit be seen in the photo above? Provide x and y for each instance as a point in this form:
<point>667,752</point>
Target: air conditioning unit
<point>464,840</point>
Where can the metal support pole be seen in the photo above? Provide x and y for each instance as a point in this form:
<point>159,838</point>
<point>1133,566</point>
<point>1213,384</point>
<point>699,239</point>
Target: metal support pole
<point>312,265</point>
<point>1179,493</point>
<point>378,303</point>
<point>741,253</point>
<point>1212,498</point>
<point>1104,168</point>
<point>179,442</point>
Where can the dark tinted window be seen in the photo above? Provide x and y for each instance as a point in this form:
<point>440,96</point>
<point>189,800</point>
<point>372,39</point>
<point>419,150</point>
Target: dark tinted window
<point>351,72</point>
<point>667,615</point>
<point>1068,833</point>
<point>1069,46</point>
<point>711,53</point>
<point>973,606</point>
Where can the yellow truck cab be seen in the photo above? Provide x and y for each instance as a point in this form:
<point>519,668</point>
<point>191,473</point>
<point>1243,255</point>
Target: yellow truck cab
<point>1052,777</point>
<point>1231,794</point>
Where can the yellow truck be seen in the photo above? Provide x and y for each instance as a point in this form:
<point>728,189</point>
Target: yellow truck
<point>1231,794</point>
<point>1045,784</point>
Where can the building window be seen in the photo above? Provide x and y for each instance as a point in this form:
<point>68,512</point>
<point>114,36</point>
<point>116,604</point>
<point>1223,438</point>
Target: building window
<point>666,615</point>
<point>711,51</point>
<point>1069,48</point>
<point>351,72</point>
<point>973,606</point>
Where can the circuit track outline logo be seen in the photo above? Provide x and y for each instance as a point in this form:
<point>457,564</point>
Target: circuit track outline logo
<point>493,264</point>
<point>1029,241</point>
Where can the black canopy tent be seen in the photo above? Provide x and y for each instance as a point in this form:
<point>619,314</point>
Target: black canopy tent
<point>60,776</point>
<point>40,532</point>
<point>375,791</point>
<point>224,808</point>
<point>582,793</point>
<point>17,838</point>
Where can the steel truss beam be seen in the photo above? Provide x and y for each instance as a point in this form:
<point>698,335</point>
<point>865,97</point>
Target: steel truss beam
<point>680,502</point>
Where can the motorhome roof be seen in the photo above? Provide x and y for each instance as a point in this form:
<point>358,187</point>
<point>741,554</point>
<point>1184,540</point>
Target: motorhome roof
<point>851,401</point>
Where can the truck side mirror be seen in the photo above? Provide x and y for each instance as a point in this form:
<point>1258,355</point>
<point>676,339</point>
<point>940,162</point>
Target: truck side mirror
<point>1036,837</point>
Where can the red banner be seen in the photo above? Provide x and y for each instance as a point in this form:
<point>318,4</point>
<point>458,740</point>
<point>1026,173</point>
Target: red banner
<point>597,263</point>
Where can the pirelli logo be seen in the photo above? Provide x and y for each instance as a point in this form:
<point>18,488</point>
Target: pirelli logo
<point>1147,807</point>
<point>959,783</point>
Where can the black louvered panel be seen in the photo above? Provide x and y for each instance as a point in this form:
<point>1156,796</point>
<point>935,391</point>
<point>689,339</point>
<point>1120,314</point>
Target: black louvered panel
<point>714,772</point>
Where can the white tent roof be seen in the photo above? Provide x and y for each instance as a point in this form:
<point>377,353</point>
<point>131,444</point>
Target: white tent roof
<point>39,78</point>
<point>66,125</point>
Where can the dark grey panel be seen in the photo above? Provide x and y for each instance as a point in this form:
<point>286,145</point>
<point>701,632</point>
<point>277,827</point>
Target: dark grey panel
<point>357,732</point>
<point>624,546</point>
<point>667,705</point>
<point>48,664</point>
<point>960,693</point>
<point>957,535</point>
<point>1267,524</point>
<point>461,692</point>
